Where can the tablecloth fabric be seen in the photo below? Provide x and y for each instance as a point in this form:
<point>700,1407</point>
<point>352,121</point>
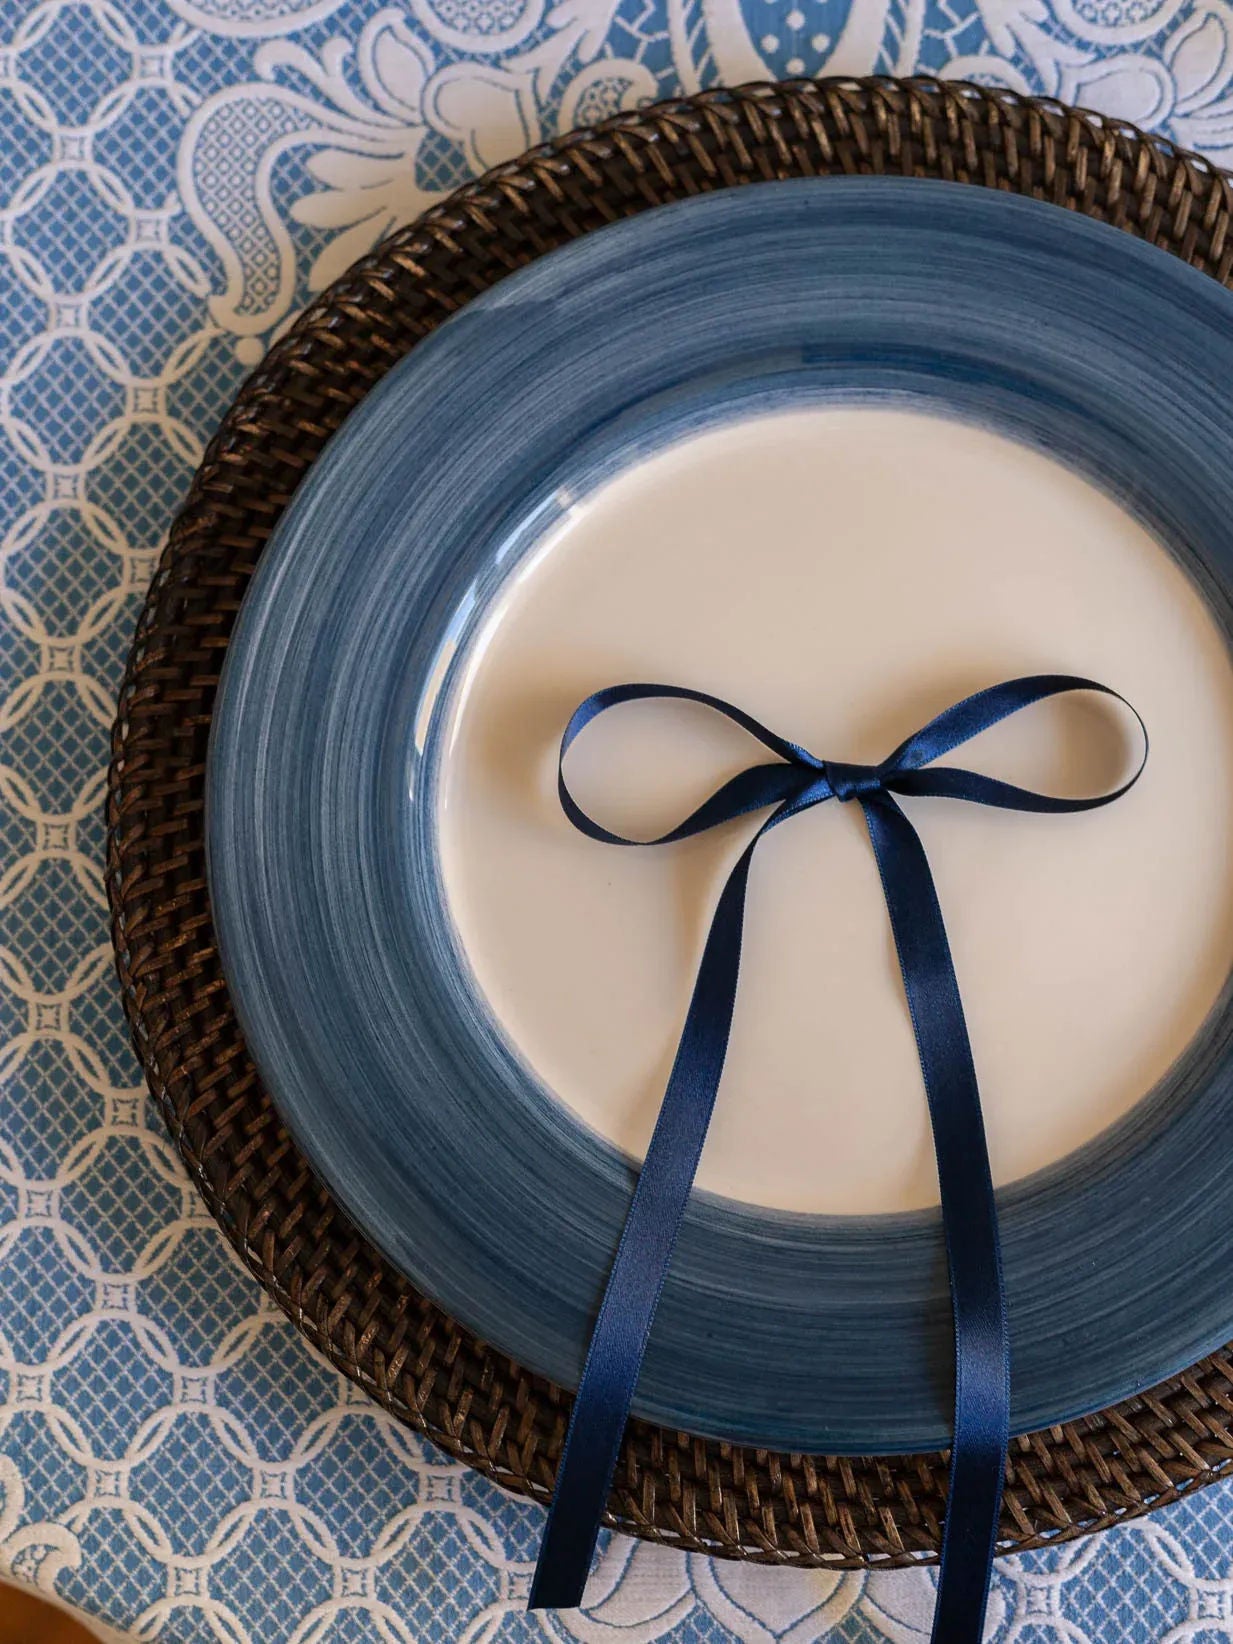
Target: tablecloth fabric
<point>176,177</point>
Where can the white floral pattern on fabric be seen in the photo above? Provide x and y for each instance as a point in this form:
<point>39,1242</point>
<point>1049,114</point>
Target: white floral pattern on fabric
<point>176,177</point>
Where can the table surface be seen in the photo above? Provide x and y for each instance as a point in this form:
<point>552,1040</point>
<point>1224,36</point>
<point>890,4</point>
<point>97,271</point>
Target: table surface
<point>176,176</point>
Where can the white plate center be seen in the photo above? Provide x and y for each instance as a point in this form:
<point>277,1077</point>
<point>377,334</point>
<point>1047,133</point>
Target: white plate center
<point>843,574</point>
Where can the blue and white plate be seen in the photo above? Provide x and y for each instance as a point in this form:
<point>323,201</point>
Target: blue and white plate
<point>779,1328</point>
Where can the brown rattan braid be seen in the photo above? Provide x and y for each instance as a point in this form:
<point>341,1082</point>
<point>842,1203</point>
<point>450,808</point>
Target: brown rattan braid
<point>331,1282</point>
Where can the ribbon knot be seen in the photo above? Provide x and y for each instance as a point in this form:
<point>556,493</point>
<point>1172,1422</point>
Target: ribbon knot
<point>796,781</point>
<point>852,781</point>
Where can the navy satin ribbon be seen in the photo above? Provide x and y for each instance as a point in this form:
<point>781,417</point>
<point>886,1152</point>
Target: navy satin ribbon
<point>795,782</point>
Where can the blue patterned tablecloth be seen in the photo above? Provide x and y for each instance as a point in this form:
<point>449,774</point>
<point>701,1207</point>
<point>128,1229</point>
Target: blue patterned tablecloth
<point>175,177</point>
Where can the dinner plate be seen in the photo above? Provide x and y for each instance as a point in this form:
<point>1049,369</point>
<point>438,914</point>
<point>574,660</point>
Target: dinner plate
<point>791,1329</point>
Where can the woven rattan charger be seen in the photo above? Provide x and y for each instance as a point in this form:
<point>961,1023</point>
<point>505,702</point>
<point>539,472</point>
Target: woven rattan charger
<point>402,1349</point>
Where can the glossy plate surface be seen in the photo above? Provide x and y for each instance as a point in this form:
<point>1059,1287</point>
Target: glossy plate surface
<point>791,1330</point>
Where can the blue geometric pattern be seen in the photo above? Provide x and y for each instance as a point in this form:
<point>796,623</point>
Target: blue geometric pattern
<point>176,177</point>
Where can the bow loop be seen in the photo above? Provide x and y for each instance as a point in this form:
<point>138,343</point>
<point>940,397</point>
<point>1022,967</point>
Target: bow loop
<point>798,780</point>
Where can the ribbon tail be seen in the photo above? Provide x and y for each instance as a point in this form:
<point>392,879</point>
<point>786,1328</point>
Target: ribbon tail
<point>623,1325</point>
<point>969,1216</point>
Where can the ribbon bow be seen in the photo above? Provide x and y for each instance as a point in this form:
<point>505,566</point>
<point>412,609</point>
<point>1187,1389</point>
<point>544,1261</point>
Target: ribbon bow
<point>795,782</point>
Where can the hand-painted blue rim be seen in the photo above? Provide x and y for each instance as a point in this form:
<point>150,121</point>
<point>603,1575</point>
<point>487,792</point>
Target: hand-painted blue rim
<point>792,1331</point>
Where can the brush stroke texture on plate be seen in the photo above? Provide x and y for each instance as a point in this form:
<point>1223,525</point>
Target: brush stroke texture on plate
<point>797,1331</point>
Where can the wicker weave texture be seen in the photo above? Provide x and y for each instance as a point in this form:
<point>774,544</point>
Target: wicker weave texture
<point>409,1355</point>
